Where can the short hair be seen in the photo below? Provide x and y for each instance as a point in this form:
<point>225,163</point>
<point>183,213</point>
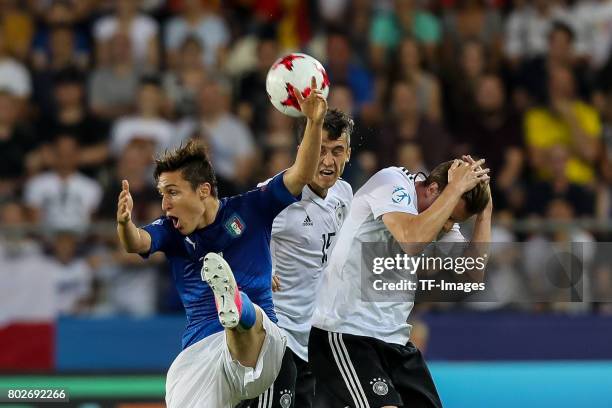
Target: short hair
<point>562,27</point>
<point>476,199</point>
<point>193,163</point>
<point>336,123</point>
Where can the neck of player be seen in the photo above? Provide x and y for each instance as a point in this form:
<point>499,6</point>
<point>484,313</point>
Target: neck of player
<point>211,208</point>
<point>320,191</point>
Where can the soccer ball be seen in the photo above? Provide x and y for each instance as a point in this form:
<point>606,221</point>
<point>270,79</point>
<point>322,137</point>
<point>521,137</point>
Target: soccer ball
<point>297,70</point>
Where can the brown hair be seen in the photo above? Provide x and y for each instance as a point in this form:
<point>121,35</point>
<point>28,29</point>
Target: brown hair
<point>192,161</point>
<point>475,200</point>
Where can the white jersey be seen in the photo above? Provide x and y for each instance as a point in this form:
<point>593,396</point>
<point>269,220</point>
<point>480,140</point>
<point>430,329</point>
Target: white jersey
<point>303,236</point>
<point>340,306</point>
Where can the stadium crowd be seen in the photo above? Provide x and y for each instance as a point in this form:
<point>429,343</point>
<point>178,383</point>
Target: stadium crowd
<point>90,90</point>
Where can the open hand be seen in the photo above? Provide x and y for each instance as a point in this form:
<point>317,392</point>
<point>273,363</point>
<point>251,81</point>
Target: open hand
<point>466,175</point>
<point>314,106</point>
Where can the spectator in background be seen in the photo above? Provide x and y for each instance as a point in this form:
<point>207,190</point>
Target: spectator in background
<point>134,165</point>
<point>61,56</point>
<point>148,124</point>
<point>473,20</point>
<point>534,73</point>
<point>341,68</point>
<point>408,68</point>
<point>199,18</point>
<point>460,85</point>
<point>18,156</point>
<point>141,29</point>
<point>565,121</point>
<point>72,273</point>
<point>406,124</point>
<point>14,76</point>
<point>528,27</point>
<point>494,132</point>
<point>541,194</point>
<point>406,18</point>
<point>253,101</point>
<point>16,27</point>
<point>112,87</point>
<point>70,116</point>
<point>593,25</point>
<point>231,143</point>
<point>59,15</point>
<point>63,198</point>
<point>182,84</point>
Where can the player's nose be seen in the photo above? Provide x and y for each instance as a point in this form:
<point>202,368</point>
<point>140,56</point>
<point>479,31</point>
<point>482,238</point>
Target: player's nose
<point>165,204</point>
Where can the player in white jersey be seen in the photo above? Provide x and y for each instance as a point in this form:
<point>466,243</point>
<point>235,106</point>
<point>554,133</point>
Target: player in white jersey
<point>303,236</point>
<point>359,347</point>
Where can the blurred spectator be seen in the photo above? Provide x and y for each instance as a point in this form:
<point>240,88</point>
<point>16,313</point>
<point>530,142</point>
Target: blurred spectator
<point>61,56</point>
<point>16,27</point>
<point>341,68</point>
<point>14,76</point>
<point>63,198</point>
<point>199,18</point>
<point>541,194</point>
<point>360,20</point>
<point>59,20</point>
<point>73,275</point>
<point>230,141</point>
<point>473,20</point>
<point>409,68</point>
<point>141,29</point>
<point>494,133</point>
<point>17,143</point>
<point>534,72</point>
<point>593,24</point>
<point>182,84</point>
<point>252,96</point>
<point>134,165</point>
<point>460,84</point>
<point>148,124</point>
<point>70,116</point>
<point>528,26</point>
<point>406,124</point>
<point>568,122</point>
<point>406,18</point>
<point>410,156</point>
<point>112,88</point>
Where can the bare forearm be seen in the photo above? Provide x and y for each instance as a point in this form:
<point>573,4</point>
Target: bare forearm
<point>426,226</point>
<point>132,238</point>
<point>306,161</point>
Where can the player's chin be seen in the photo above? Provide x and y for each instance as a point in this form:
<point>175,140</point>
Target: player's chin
<point>326,181</point>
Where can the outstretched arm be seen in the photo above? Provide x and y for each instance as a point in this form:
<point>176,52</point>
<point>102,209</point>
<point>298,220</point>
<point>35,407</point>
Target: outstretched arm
<point>133,239</point>
<point>314,107</point>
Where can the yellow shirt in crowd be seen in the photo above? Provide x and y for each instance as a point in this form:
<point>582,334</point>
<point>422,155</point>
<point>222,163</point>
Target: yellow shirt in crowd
<point>544,129</point>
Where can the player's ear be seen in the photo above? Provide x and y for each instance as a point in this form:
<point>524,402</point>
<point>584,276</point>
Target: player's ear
<point>433,189</point>
<point>203,190</point>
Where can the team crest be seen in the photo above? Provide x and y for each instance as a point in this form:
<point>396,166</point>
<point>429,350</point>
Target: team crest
<point>400,194</point>
<point>285,399</point>
<point>379,386</point>
<point>235,226</point>
<point>340,209</point>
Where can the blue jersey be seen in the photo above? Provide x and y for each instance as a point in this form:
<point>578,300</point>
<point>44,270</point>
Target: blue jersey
<point>241,232</point>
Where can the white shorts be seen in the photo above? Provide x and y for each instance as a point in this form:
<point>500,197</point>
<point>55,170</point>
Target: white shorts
<point>204,375</point>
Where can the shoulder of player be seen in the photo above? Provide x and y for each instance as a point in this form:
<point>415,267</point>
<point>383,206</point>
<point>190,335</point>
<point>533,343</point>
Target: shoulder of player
<point>343,187</point>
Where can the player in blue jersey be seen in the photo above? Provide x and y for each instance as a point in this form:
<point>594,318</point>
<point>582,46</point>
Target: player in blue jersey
<point>218,251</point>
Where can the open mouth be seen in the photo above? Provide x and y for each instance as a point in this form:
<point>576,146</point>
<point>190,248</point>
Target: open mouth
<point>327,173</point>
<point>175,221</point>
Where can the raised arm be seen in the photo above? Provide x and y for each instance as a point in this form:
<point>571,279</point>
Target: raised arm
<point>408,229</point>
<point>133,239</point>
<point>314,107</point>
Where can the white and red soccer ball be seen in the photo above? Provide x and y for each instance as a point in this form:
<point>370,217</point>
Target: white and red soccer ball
<point>294,70</point>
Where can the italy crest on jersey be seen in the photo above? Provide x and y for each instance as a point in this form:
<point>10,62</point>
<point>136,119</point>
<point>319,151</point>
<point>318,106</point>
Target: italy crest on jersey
<point>235,226</point>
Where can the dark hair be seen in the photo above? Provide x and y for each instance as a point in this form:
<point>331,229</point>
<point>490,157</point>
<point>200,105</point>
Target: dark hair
<point>193,163</point>
<point>150,79</point>
<point>335,123</point>
<point>68,76</point>
<point>475,200</point>
<point>563,27</point>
